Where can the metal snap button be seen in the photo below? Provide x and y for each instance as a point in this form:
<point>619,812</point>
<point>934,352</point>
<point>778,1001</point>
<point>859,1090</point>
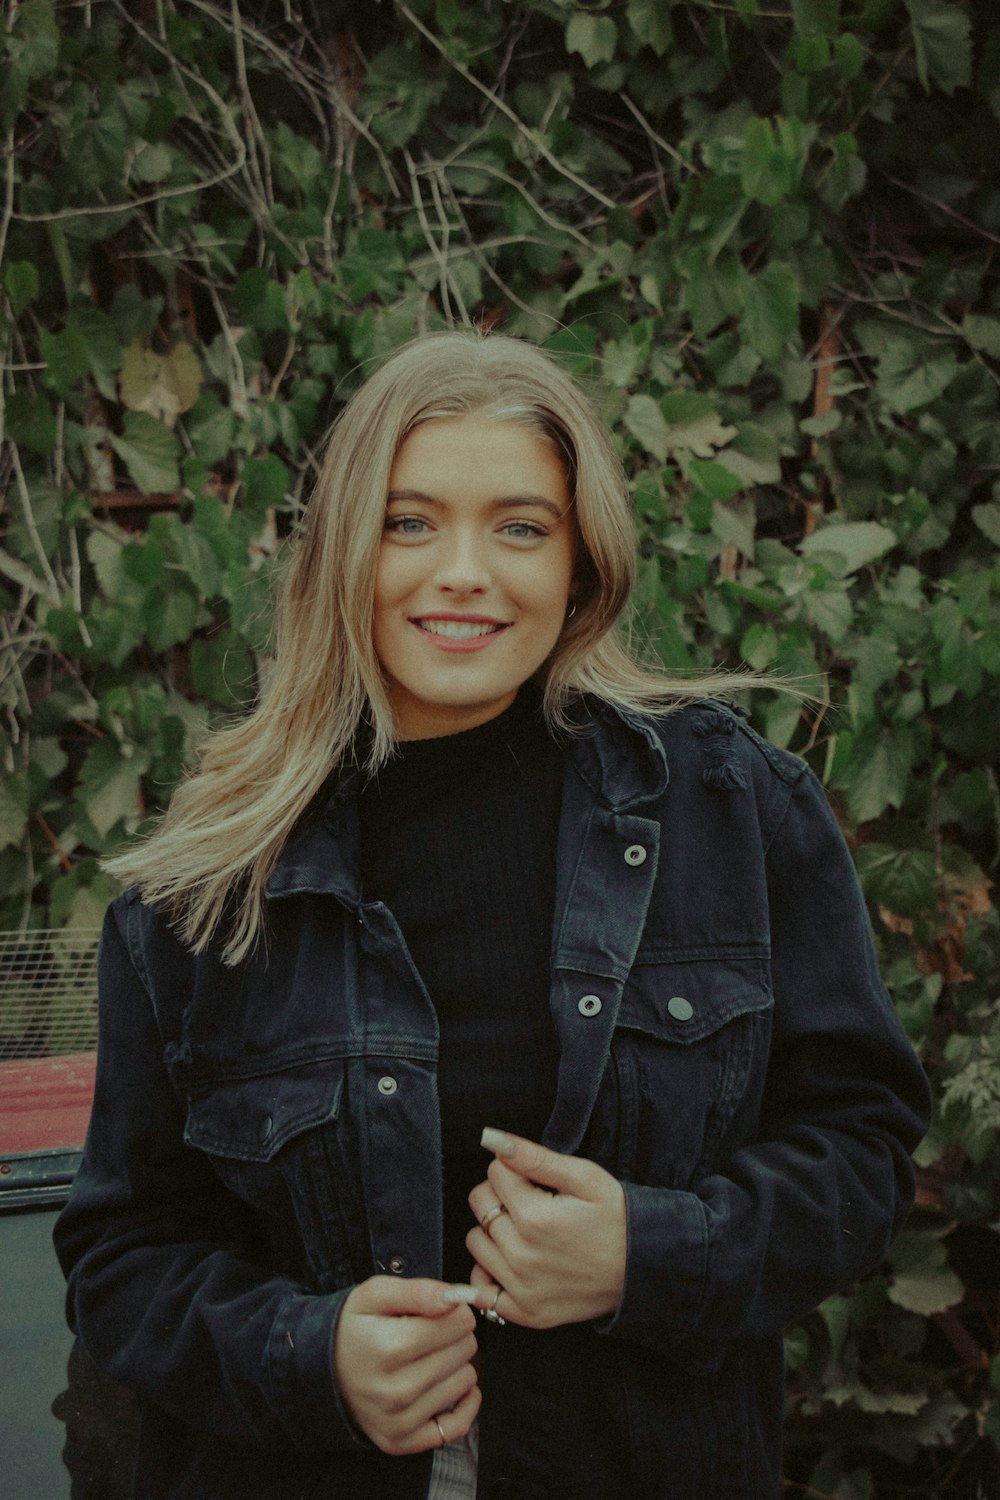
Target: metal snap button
<point>679,1008</point>
<point>590,1005</point>
<point>397,1265</point>
<point>266,1126</point>
<point>635,854</point>
<point>387,1085</point>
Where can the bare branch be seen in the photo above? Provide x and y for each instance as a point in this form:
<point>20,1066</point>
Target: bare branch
<point>51,586</point>
<point>500,104</point>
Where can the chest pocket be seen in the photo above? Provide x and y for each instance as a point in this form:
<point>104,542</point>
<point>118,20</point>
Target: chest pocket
<point>278,1140</point>
<point>250,1119</point>
<point>690,1052</point>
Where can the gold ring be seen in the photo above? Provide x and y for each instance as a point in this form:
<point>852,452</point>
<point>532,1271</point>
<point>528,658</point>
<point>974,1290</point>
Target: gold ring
<point>444,1440</point>
<point>490,1215</point>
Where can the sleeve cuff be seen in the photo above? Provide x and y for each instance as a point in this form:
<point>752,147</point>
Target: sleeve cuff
<point>665,1270</point>
<point>303,1386</point>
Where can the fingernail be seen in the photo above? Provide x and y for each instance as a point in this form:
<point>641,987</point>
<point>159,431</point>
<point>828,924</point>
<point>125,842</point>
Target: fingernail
<point>454,1295</point>
<point>497,1142</point>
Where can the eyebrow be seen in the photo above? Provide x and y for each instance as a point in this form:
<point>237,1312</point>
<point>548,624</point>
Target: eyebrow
<point>502,502</point>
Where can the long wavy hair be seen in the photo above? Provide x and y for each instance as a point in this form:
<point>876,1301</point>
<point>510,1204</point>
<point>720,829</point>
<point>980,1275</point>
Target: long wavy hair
<point>208,860</point>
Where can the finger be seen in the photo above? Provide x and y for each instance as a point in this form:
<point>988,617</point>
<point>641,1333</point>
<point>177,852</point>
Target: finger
<point>520,1195</point>
<point>430,1382</point>
<point>444,1393</point>
<point>451,1425</point>
<point>389,1296</point>
<point>505,1305</point>
<point>484,1284</point>
<point>553,1169</point>
<point>486,1205</point>
<point>490,1259</point>
<point>419,1430</point>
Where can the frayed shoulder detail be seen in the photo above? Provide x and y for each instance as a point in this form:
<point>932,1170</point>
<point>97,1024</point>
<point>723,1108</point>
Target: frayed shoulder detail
<point>723,771</point>
<point>711,721</point>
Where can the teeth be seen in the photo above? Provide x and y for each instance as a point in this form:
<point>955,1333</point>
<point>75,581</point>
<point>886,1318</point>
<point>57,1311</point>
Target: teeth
<point>457,630</point>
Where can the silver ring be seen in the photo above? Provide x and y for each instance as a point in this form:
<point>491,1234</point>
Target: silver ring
<point>491,1315</point>
<point>490,1215</point>
<point>444,1440</point>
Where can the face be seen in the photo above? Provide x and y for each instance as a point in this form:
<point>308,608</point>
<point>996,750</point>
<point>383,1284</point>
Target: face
<point>474,572</point>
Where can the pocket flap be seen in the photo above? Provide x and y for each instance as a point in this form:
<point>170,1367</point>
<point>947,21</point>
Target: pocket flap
<point>250,1119</point>
<point>685,1002</point>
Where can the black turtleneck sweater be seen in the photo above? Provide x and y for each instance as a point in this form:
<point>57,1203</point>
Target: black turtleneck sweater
<point>458,839</point>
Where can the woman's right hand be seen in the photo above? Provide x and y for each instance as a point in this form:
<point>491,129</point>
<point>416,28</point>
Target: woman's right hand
<point>403,1356</point>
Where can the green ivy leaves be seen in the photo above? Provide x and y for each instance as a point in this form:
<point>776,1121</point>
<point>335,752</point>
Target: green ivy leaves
<point>762,239</point>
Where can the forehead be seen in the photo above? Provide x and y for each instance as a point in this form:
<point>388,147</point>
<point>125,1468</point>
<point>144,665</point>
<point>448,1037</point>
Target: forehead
<point>480,449</point>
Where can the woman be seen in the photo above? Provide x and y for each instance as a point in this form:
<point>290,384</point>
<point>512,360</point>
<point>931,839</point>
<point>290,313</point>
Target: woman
<point>470,877</point>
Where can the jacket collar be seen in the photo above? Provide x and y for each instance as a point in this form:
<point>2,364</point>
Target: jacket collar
<point>618,754</point>
<point>615,751</point>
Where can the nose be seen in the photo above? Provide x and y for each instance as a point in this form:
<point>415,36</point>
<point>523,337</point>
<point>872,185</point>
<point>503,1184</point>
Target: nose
<point>463,566</point>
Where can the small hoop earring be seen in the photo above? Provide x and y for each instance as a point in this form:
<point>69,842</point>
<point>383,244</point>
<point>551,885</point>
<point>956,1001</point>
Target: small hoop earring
<point>571,611</point>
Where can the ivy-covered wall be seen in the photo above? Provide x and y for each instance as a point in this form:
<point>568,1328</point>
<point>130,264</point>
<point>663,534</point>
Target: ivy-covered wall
<point>766,231</point>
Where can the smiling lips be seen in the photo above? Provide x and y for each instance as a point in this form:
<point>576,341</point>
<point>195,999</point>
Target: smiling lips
<point>459,633</point>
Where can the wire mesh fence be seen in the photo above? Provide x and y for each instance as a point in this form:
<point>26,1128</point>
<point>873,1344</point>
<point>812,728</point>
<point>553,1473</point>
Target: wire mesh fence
<point>48,992</point>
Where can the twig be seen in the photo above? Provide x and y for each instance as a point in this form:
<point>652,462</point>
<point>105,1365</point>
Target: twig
<point>340,102</point>
<point>951,213</point>
<point>75,587</point>
<point>64,858</point>
<point>671,151</point>
<point>533,204</point>
<point>11,644</point>
<point>51,588</point>
<point>8,192</point>
<point>472,248</point>
<point>505,109</point>
<point>254,128</point>
<point>236,363</point>
<point>886,78</point>
<point>282,369</point>
<point>437,255</point>
<point>163,193</point>
<point>119,208</point>
<point>445,241</point>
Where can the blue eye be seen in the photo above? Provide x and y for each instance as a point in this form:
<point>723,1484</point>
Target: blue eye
<point>523,529</point>
<point>406,525</point>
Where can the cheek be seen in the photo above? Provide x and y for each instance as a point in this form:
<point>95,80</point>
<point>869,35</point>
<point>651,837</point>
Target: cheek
<point>394,580</point>
<point>384,580</point>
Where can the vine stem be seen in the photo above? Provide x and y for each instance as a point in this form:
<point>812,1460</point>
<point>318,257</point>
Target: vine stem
<point>164,193</point>
<point>471,248</point>
<point>439,251</point>
<point>119,208</point>
<point>64,860</point>
<point>505,109</point>
<point>264,184</point>
<point>18,572</point>
<point>262,40</point>
<point>76,588</point>
<point>7,212</point>
<point>51,582</point>
<point>665,146</point>
<point>951,213</point>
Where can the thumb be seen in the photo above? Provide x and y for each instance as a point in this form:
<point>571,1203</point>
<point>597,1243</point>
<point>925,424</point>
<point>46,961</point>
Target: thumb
<point>552,1169</point>
<point>417,1296</point>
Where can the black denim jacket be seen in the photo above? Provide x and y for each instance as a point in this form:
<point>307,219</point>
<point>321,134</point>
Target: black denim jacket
<point>267,1136</point>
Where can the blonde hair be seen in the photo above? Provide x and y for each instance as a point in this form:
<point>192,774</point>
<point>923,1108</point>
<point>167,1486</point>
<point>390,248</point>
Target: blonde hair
<point>208,860</point>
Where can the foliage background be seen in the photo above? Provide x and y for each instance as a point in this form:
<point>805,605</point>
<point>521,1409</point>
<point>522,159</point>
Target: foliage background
<point>767,234</point>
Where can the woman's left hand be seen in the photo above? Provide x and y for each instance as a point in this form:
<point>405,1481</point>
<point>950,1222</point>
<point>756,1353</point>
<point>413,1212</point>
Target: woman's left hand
<point>557,1251</point>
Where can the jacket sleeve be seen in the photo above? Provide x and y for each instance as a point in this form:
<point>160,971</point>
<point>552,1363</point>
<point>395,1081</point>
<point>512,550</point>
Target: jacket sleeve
<point>168,1287</point>
<point>814,1200</point>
